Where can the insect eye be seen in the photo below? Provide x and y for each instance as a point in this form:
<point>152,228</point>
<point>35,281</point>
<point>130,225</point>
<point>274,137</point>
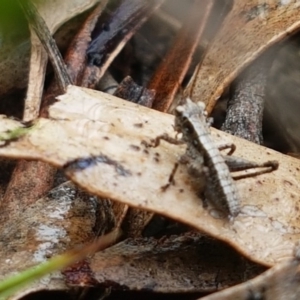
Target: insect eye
<point>186,130</point>
<point>184,119</point>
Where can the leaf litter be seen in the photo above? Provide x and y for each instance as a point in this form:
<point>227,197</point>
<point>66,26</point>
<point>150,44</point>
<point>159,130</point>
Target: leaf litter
<point>255,212</point>
<point>97,139</point>
<point>32,234</point>
<point>234,46</point>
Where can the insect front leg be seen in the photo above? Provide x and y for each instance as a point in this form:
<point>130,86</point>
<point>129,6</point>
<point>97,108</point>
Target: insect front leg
<point>230,146</point>
<point>171,178</point>
<point>156,142</point>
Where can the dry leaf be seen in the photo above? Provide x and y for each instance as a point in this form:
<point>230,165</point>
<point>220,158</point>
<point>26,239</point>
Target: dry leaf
<point>98,139</point>
<point>62,220</point>
<point>187,263</point>
<point>169,75</point>
<point>249,28</point>
<point>280,282</point>
<point>14,54</point>
<point>54,13</point>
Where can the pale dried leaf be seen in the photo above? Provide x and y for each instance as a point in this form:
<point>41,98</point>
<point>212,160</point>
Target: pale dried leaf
<point>57,12</point>
<point>87,124</point>
<point>249,28</point>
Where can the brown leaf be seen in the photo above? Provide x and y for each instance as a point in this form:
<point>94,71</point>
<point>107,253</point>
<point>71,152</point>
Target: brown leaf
<point>280,282</point>
<point>249,28</point>
<point>98,139</point>
<point>187,263</point>
<point>62,220</point>
<point>172,70</point>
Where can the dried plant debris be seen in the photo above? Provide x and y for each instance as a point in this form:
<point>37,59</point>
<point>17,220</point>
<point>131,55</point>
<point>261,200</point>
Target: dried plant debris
<point>97,139</point>
<point>113,35</point>
<point>38,24</point>
<point>187,263</point>
<point>133,92</point>
<point>62,220</point>
<point>234,46</point>
<point>244,115</point>
<point>168,77</point>
<point>15,49</point>
<point>279,282</point>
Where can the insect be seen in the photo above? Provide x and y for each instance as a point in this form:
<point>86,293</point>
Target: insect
<point>204,159</point>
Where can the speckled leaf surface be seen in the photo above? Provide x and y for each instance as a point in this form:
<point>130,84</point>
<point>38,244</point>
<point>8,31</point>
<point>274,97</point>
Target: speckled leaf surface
<point>104,134</point>
<point>249,28</point>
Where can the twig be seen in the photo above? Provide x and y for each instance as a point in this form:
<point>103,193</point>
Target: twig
<point>40,27</point>
<point>38,64</point>
<point>245,106</point>
<point>75,57</point>
<point>118,30</point>
<point>171,72</point>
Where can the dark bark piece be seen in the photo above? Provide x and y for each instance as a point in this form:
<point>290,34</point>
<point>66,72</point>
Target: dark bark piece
<point>135,222</point>
<point>123,24</point>
<point>124,19</point>
<point>133,92</point>
<point>246,103</point>
<point>75,57</point>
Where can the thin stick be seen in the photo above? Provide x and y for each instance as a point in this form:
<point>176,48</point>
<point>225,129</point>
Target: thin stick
<point>42,31</point>
<point>115,33</point>
<point>170,74</point>
<point>245,107</point>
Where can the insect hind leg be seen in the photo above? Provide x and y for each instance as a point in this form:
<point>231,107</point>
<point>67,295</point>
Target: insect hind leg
<point>171,178</point>
<point>238,164</point>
